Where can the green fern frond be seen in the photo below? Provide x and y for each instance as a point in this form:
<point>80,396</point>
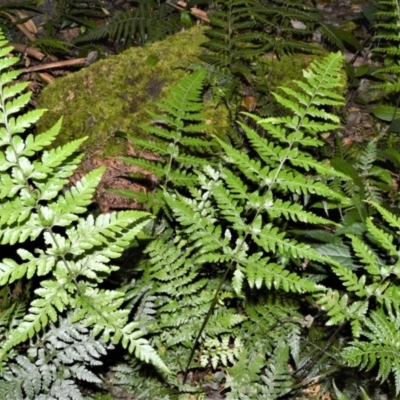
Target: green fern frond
<point>75,253</point>
<point>277,376</point>
<point>218,352</point>
<point>51,45</point>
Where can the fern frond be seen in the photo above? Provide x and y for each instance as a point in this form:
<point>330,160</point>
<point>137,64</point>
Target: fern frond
<point>179,137</point>
<point>218,352</point>
<point>75,258</point>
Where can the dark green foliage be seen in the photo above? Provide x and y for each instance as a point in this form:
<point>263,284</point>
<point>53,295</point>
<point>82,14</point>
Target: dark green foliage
<point>51,46</point>
<point>388,37</point>
<point>245,36</point>
<point>9,8</point>
<point>370,175</point>
<point>66,12</point>
<point>147,22</point>
<point>387,20</point>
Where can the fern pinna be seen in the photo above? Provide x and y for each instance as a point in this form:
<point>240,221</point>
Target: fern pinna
<point>73,251</point>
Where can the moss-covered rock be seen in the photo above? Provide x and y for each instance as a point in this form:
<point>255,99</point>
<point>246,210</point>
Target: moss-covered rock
<point>112,95</point>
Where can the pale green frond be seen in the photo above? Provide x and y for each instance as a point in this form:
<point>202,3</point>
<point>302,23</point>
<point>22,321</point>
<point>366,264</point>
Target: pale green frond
<point>53,300</point>
<point>75,259</point>
<point>277,375</point>
<point>18,102</point>
<point>384,239</point>
<point>364,253</point>
<point>11,271</point>
<point>7,62</point>
<point>351,280</point>
<point>277,277</point>
<point>13,90</point>
<point>24,121</point>
<point>272,240</point>
<point>335,305</point>
<point>268,151</point>
<point>300,185</point>
<point>382,349</point>
<point>249,167</point>
<point>389,217</point>
<point>309,163</point>
<point>295,212</point>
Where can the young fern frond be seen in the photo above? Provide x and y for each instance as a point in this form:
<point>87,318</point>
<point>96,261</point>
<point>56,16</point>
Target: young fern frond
<point>73,253</point>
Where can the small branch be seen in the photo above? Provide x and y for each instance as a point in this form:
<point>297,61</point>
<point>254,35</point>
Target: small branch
<point>31,51</point>
<point>181,6</point>
<point>58,64</point>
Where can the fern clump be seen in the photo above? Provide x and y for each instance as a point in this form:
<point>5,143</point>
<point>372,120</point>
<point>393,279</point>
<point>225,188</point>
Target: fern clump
<point>231,224</point>
<point>72,251</point>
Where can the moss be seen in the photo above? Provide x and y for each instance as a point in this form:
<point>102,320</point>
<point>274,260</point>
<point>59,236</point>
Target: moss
<point>112,95</point>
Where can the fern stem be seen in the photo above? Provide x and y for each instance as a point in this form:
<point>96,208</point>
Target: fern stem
<point>204,323</point>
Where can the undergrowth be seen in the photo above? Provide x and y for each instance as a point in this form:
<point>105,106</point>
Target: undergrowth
<point>265,270</point>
